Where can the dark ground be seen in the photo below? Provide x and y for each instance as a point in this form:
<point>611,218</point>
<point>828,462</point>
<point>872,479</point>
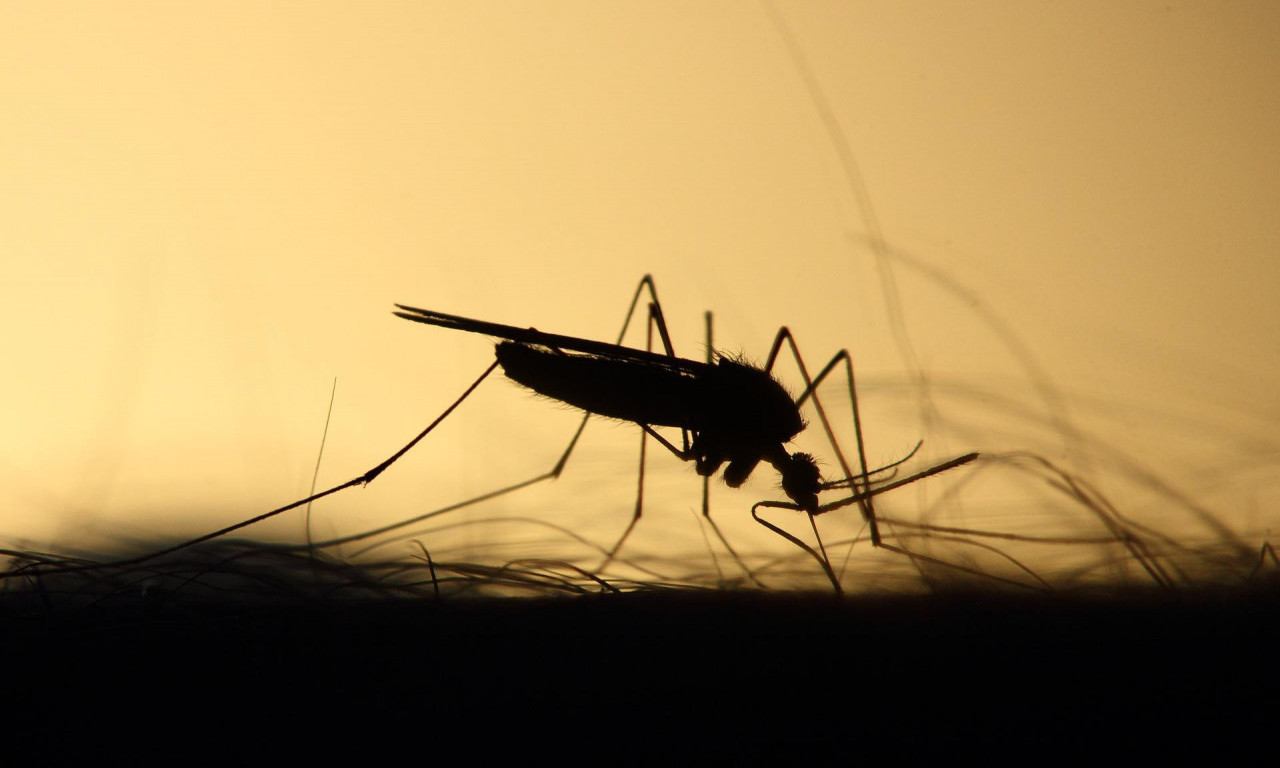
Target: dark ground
<point>652,678</point>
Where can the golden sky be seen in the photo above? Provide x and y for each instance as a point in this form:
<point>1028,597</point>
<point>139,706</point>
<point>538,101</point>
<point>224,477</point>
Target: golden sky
<point>207,211</point>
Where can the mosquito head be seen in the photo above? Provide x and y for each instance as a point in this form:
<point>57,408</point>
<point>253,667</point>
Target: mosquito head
<point>800,480</point>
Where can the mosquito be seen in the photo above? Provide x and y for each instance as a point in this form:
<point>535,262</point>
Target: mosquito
<point>731,414</point>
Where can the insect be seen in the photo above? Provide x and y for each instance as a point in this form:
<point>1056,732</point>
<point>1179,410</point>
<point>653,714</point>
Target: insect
<point>730,413</point>
<point>737,414</point>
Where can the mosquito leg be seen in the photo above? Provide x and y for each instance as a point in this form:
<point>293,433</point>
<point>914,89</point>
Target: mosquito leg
<point>708,322</point>
<point>364,479</point>
<point>369,476</point>
<point>889,486</point>
<point>686,456</point>
<point>373,473</point>
<point>862,491</point>
<point>822,558</point>
<point>655,319</point>
<point>646,282</point>
<point>658,319</point>
<point>913,556</point>
<point>858,482</point>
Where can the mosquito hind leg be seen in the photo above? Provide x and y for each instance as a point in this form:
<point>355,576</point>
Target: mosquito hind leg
<point>372,474</point>
<point>655,320</point>
<point>368,477</point>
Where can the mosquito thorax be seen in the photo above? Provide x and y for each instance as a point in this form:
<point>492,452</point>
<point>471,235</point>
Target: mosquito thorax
<point>747,404</point>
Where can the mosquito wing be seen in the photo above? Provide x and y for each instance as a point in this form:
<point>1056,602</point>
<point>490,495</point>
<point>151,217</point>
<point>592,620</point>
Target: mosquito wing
<point>552,340</point>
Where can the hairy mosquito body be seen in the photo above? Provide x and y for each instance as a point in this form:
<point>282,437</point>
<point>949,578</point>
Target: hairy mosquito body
<point>730,414</point>
<point>737,414</point>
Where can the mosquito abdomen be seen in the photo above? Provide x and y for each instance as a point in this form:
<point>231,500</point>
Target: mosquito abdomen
<point>619,389</point>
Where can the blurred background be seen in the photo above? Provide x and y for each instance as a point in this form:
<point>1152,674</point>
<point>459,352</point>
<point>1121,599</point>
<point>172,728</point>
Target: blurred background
<point>1055,235</point>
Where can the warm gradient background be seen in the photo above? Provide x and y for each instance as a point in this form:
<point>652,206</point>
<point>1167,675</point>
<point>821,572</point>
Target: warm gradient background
<point>206,214</point>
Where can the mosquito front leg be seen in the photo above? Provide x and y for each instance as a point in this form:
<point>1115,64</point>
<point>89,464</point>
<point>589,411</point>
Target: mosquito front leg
<point>820,556</point>
<point>862,491</point>
<point>857,482</point>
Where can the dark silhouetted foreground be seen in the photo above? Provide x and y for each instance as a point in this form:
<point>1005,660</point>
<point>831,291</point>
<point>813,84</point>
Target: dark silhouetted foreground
<point>313,659</point>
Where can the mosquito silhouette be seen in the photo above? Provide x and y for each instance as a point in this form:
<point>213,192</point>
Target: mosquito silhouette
<point>736,413</point>
<point>730,413</point>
